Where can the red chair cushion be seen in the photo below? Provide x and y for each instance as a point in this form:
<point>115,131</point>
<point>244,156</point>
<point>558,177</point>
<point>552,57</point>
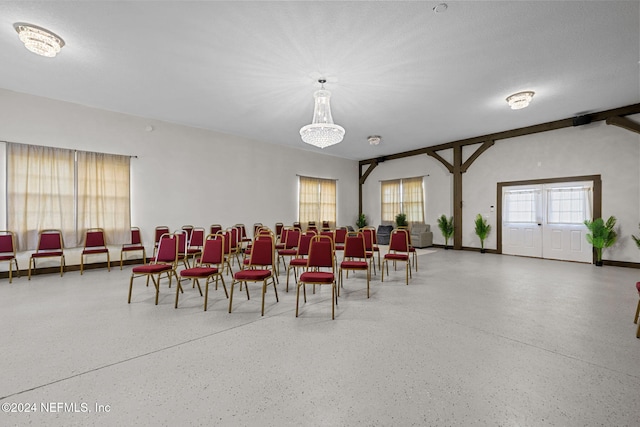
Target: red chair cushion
<point>6,257</point>
<point>353,265</point>
<point>638,288</point>
<point>95,251</point>
<point>252,275</point>
<point>339,248</point>
<point>288,252</point>
<point>152,268</point>
<point>316,277</point>
<point>397,257</point>
<point>46,254</point>
<point>133,248</point>
<point>199,272</point>
<point>298,262</point>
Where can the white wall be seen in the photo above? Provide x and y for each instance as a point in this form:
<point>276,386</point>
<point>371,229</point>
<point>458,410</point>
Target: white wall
<point>594,149</point>
<point>182,175</point>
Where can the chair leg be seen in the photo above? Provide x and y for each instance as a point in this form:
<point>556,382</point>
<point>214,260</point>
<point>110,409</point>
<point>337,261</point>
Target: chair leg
<point>297,297</point>
<point>638,332</point>
<point>231,295</point>
<point>635,319</point>
<point>62,265</point>
<point>334,301</point>
<point>34,266</point>
<point>130,288</point>
<point>81,264</point>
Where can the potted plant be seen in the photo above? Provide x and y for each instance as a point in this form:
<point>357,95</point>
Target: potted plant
<point>446,227</point>
<point>362,221</point>
<point>401,220</point>
<point>482,230</point>
<point>636,239</point>
<point>602,235</point>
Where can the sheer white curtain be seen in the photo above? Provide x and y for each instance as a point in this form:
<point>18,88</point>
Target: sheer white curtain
<point>413,200</point>
<point>317,200</point>
<point>103,195</point>
<point>40,193</point>
<point>390,200</point>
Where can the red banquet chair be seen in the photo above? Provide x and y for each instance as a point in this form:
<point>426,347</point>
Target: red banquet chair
<point>196,242</point>
<point>300,260</point>
<point>261,269</point>
<point>637,310</point>
<point>135,246</point>
<point>354,258</point>
<point>398,251</point>
<point>49,246</point>
<point>320,270</point>
<point>208,266</point>
<point>94,244</point>
<point>8,251</point>
<point>159,232</point>
<point>165,262</point>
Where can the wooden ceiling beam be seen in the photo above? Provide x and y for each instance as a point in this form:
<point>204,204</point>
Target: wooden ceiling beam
<point>624,123</point>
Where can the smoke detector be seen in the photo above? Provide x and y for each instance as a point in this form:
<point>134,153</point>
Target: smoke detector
<point>374,139</point>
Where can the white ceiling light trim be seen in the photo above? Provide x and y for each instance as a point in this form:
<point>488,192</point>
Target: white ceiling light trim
<point>322,132</point>
<point>520,100</point>
<point>38,40</point>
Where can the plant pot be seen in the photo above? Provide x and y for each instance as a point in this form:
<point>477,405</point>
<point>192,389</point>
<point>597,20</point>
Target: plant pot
<point>447,247</point>
<point>599,263</point>
<point>483,251</point>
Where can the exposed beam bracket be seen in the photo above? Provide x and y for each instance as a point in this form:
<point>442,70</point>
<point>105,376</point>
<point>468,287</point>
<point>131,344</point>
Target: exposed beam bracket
<point>624,123</point>
<point>372,166</point>
<point>436,156</point>
<point>484,147</point>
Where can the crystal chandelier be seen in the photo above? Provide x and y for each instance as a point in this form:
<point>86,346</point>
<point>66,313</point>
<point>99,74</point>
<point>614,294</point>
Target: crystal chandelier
<point>520,100</point>
<point>322,132</point>
<point>38,40</point>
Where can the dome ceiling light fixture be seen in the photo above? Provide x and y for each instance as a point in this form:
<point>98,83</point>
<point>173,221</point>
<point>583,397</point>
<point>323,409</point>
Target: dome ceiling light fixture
<point>374,139</point>
<point>322,132</point>
<point>520,100</point>
<point>38,40</point>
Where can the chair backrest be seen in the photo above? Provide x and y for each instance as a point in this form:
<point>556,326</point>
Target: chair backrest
<point>293,239</point>
<point>49,240</point>
<point>94,238</point>
<point>189,230</point>
<point>296,224</point>
<point>215,228</point>
<point>374,235</point>
<point>367,233</point>
<point>136,236</point>
<point>183,241</point>
<point>399,241</point>
<point>256,227</point>
<point>340,234</point>
<point>262,252</point>
<point>354,246</point>
<point>7,242</point>
<point>279,227</point>
<point>326,225</point>
<point>160,230</point>
<point>197,237</point>
<point>311,225</point>
<point>321,253</point>
<point>328,234</point>
<point>213,249</point>
<point>234,237</point>
<point>167,249</point>
<point>242,231</point>
<point>227,240</point>
<point>305,243</point>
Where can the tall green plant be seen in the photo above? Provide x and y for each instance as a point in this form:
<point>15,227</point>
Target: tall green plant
<point>482,229</point>
<point>401,220</point>
<point>362,221</point>
<point>446,227</point>
<point>636,239</point>
<point>602,234</point>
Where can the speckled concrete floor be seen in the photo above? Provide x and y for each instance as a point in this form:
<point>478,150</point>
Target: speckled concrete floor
<point>473,340</point>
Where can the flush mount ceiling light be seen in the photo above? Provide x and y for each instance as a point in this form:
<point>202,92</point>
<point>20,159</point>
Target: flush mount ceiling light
<point>38,40</point>
<point>374,139</point>
<point>322,132</point>
<point>520,100</point>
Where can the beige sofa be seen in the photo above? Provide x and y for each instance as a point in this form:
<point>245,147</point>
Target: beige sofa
<point>421,235</point>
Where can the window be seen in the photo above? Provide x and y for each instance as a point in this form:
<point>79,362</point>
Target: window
<point>568,205</point>
<point>66,190</point>
<point>521,206</point>
<point>403,195</point>
<point>317,200</point>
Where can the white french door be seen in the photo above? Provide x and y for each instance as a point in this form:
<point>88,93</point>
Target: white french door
<point>546,220</point>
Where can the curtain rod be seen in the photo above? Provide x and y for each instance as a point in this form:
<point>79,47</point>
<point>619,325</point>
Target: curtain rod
<point>70,149</point>
<point>316,177</point>
<point>400,179</point>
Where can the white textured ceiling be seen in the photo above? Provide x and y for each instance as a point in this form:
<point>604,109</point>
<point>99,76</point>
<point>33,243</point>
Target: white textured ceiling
<point>395,68</point>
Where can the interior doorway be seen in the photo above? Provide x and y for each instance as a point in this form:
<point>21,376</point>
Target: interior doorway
<point>544,218</point>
